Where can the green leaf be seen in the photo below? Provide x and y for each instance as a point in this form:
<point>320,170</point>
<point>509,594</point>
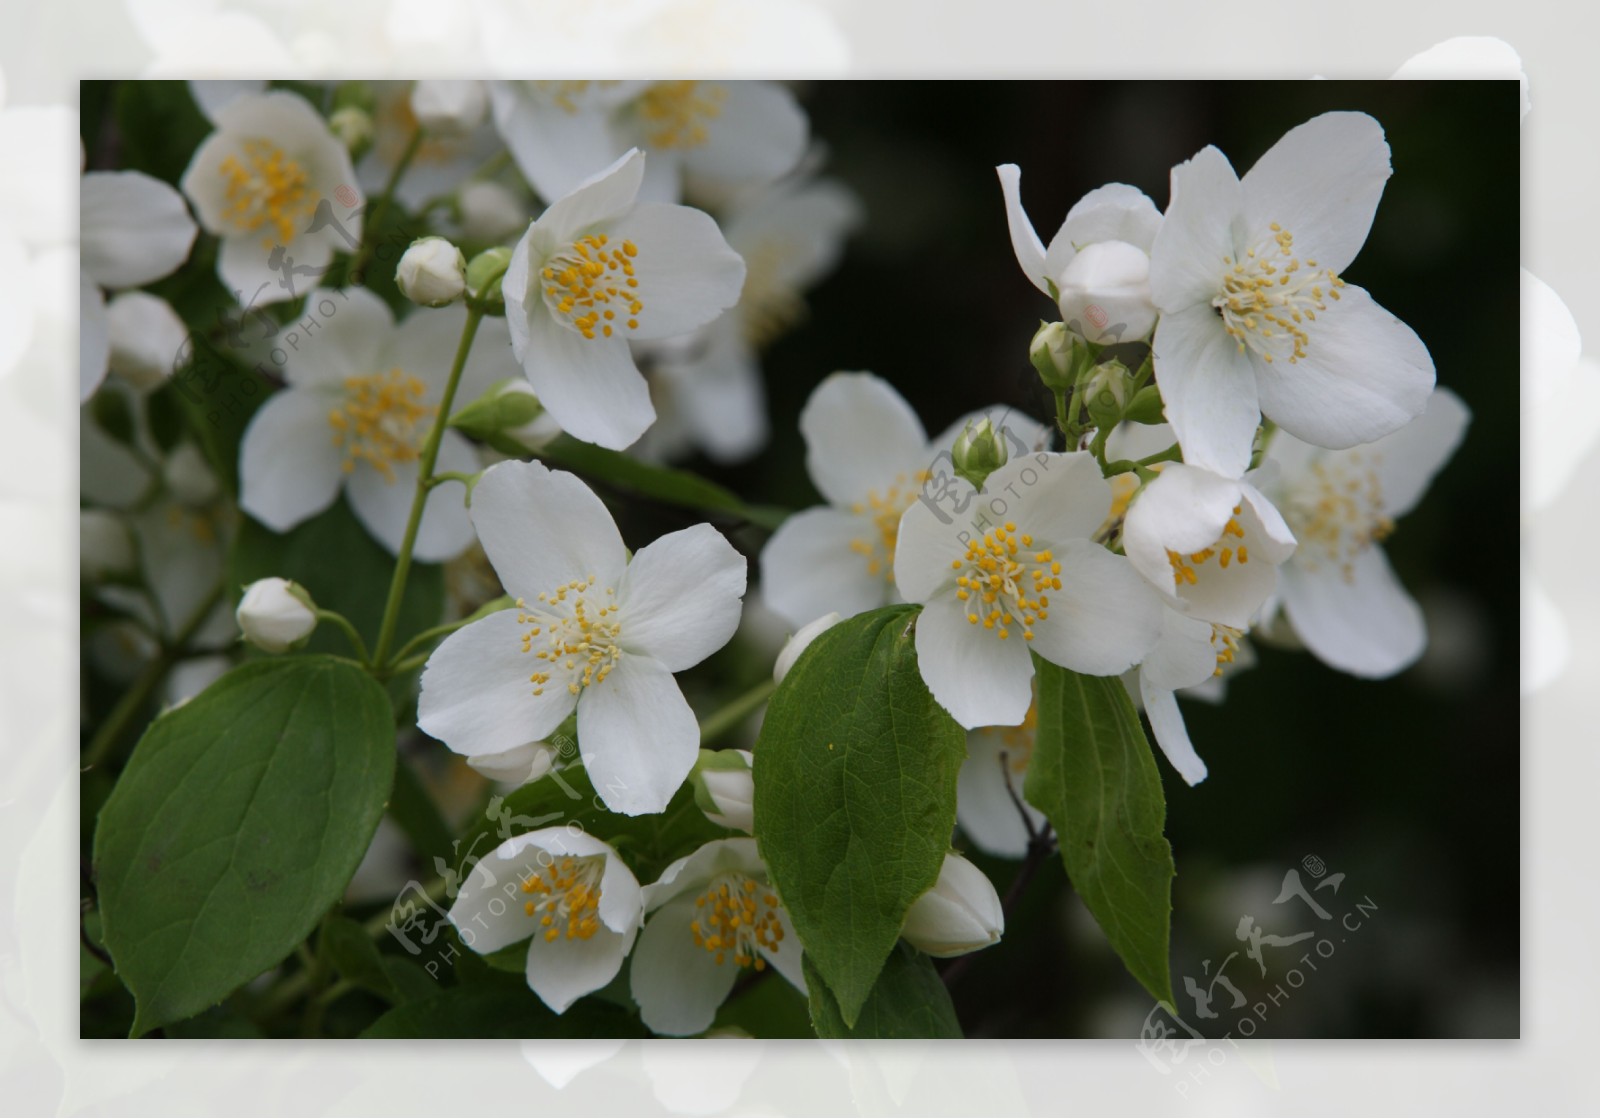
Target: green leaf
<point>346,571</point>
<point>1093,776</point>
<point>352,953</point>
<point>501,1010</point>
<point>237,824</point>
<point>159,126</point>
<point>909,1000</point>
<point>675,487</point>
<point>855,779</point>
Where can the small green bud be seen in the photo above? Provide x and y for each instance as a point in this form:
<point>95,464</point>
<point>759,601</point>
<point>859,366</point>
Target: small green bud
<point>980,450</point>
<point>1145,407</point>
<point>1106,392</point>
<point>1053,353</point>
<point>504,418</point>
<point>484,275</point>
<point>354,128</point>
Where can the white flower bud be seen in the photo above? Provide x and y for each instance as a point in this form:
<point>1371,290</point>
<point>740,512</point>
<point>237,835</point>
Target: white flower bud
<point>189,476</point>
<point>105,547</point>
<point>432,272</point>
<point>489,212</point>
<point>449,108</point>
<point>146,336</point>
<point>276,615</point>
<point>1051,354</point>
<point>961,914</point>
<point>354,128</point>
<point>520,765</point>
<point>796,645</point>
<point>1105,293</point>
<point>731,788</point>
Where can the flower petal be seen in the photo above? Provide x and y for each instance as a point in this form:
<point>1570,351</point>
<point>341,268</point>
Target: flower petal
<point>1186,258</point>
<point>476,696</point>
<point>1025,242</point>
<point>638,736</point>
<point>563,970</point>
<point>979,679</point>
<point>1103,620</point>
<point>677,983</point>
<point>1321,182</point>
<point>1365,374</point>
<point>1053,497</point>
<point>1114,212</point>
<point>487,919</point>
<point>1183,655</point>
<point>680,597</point>
<point>132,228</point>
<point>786,960</point>
<point>861,436</point>
<point>1406,460</point>
<point>687,273</point>
<point>808,568</point>
<point>603,197</point>
<point>243,267</point>
<point>931,545</point>
<point>758,135</point>
<point>590,385</point>
<point>356,329</point>
<point>289,464</point>
<point>94,336</point>
<point>1161,707</point>
<point>383,503</point>
<point>984,805</point>
<point>1363,623</point>
<point>554,148</point>
<point>724,402</point>
<point>544,528</point>
<point>1209,390</point>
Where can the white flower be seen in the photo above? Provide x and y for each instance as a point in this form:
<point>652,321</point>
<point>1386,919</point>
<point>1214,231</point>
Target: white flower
<point>798,644</point>
<point>442,161</point>
<point>276,185</point>
<point>592,630</point>
<point>133,229</point>
<point>520,765</point>
<point>1338,591</point>
<point>1254,316</point>
<point>275,615</point>
<point>721,134</point>
<point>362,396</point>
<point>145,336</point>
<point>449,107</point>
<point>868,454</point>
<point>961,913</point>
<point>1098,260</point>
<point>710,915</point>
<point>1018,561</point>
<point>596,270</point>
<point>989,787</point>
<point>728,783</point>
<point>490,213</point>
<point>568,894</point>
<point>432,272</point>
<point>1189,652</point>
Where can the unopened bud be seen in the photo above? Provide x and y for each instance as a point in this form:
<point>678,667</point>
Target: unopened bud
<point>980,450</point>
<point>105,547</point>
<point>520,765</point>
<point>484,276</point>
<point>797,644</point>
<point>489,213</point>
<point>146,335</point>
<point>1106,392</point>
<point>1052,354</point>
<point>432,272</point>
<point>508,416</point>
<point>354,128</point>
<point>1104,293</point>
<point>724,788</point>
<point>1146,406</point>
<point>961,914</point>
<point>276,615</point>
<point>450,108</point>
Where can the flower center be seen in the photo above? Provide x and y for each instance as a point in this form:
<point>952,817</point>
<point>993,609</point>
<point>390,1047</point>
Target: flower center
<point>1002,586</point>
<point>1224,551</point>
<point>674,114</point>
<point>738,915</point>
<point>768,306</point>
<point>382,421</point>
<point>588,283</point>
<point>1225,640</point>
<point>1338,513</point>
<point>575,634</point>
<point>565,897</point>
<point>266,187</point>
<point>1267,299</point>
<point>884,511</point>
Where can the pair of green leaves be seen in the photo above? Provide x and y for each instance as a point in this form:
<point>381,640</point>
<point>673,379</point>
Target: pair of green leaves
<point>855,802</point>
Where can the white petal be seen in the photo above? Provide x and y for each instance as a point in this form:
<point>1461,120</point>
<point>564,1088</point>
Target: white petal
<point>289,464</point>
<point>1052,497</point>
<point>699,867</point>
<point>979,679</point>
<point>94,337</point>
<point>785,959</point>
<point>603,197</point>
<point>214,96</point>
<point>424,346</point>
<point>486,917</point>
<point>931,546</point>
<point>383,503</point>
<point>1103,620</point>
<point>544,528</point>
<point>1114,212</point>
<point>1161,707</point>
<point>1183,656</point>
<point>1407,460</point>
<point>1365,374</point>
<point>800,224</point>
<point>1365,624</point>
<point>1208,389</point>
<point>680,597</point>
<point>349,341</point>
<point>638,736</point>
<point>476,695</point>
<point>1025,242</point>
<point>1186,259</point>
<point>555,149</point>
<point>243,266</point>
<point>590,385</point>
<point>861,438</point>
<point>984,805</point>
<point>809,569</point>
<point>1321,182</point>
<point>724,399</point>
<point>758,134</point>
<point>133,229</point>
<point>687,273</point>
<point>677,984</point>
<point>562,971</point>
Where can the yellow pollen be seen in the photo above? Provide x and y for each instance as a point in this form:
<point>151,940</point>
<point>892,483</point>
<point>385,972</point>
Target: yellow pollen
<point>884,511</point>
<point>264,187</point>
<point>566,897</point>
<point>1184,566</point>
<point>741,917</point>
<point>574,630</point>
<point>581,284</point>
<point>1337,512</point>
<point>1225,640</point>
<point>382,420</point>
<point>1268,298</point>
<point>674,114</point>
<point>1013,584</point>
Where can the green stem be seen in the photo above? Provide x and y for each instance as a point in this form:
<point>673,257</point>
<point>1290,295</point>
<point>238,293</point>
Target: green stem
<point>350,633</point>
<point>1173,453</point>
<point>430,456</point>
<point>134,699</point>
<point>1146,368</point>
<point>453,476</point>
<point>369,241</point>
<point>729,717</point>
<point>428,635</point>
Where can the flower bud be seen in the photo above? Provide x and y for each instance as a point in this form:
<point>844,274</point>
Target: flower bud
<point>432,272</point>
<point>1052,354</point>
<point>980,450</point>
<point>724,788</point>
<point>146,336</point>
<point>1107,391</point>
<point>354,128</point>
<point>490,213</point>
<point>797,644</point>
<point>450,108</point>
<point>1104,293</point>
<point>105,547</point>
<point>1146,406</point>
<point>484,276</point>
<point>961,914</point>
<point>509,411</point>
<point>520,765</point>
<point>276,615</point>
